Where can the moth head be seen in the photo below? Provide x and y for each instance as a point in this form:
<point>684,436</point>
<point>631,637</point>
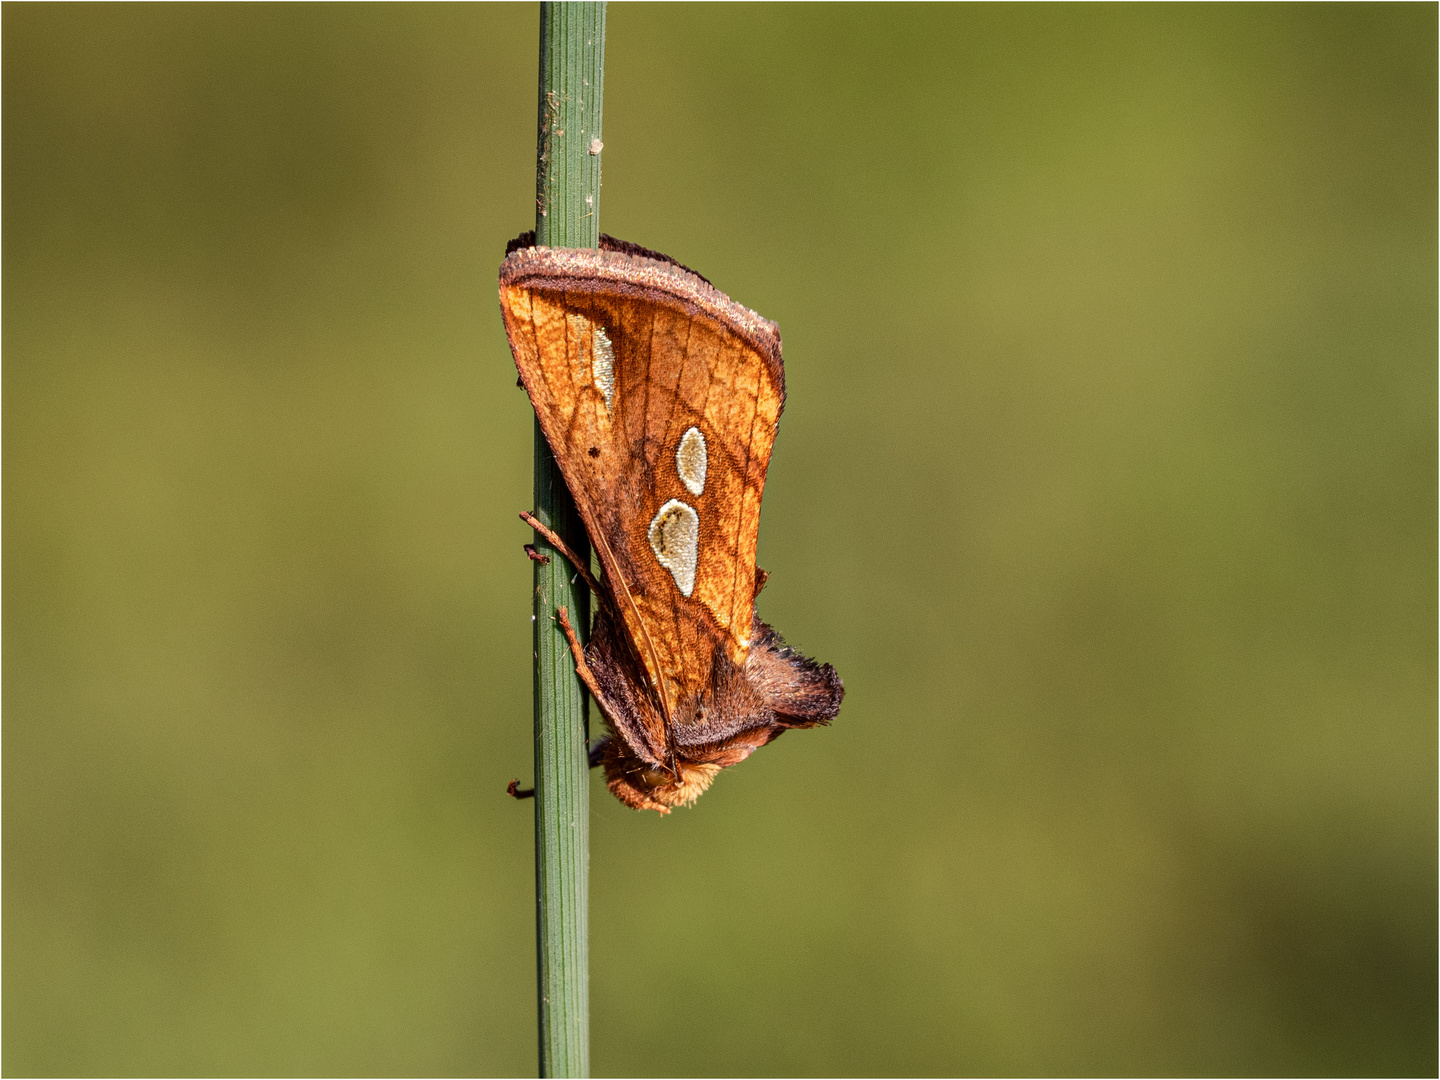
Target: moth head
<point>647,788</point>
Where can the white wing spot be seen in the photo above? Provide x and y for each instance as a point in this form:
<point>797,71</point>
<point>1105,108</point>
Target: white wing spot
<point>691,460</point>
<point>602,364</point>
<point>675,539</point>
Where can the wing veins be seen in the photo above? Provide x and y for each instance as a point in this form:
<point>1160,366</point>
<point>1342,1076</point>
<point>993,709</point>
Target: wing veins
<point>670,423</point>
<point>740,516</point>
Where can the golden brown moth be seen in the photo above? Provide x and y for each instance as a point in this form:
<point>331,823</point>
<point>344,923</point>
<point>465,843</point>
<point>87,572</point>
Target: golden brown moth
<point>659,397</point>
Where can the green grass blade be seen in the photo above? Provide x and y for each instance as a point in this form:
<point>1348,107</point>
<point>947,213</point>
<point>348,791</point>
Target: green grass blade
<point>572,67</point>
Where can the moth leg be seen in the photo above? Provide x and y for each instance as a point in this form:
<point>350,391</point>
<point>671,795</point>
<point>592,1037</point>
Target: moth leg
<point>559,545</point>
<point>587,676</point>
<point>597,750</point>
<point>515,791</point>
<point>581,667</point>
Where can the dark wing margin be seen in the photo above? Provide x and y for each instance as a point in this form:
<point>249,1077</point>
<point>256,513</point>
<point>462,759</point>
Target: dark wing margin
<point>610,243</point>
<point>630,270</point>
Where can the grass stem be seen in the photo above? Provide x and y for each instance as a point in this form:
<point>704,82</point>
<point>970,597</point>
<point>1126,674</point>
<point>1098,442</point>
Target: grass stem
<point>567,214</point>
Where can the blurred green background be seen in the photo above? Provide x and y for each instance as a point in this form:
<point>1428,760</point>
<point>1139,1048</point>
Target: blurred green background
<point>1108,482</point>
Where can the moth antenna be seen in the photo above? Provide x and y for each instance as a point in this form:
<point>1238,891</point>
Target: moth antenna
<point>559,545</point>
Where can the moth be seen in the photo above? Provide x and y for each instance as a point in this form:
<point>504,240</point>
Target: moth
<point>659,397</point>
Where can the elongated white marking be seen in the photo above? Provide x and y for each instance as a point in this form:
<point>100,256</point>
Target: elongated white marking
<point>675,539</point>
<point>691,461</point>
<point>602,364</point>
